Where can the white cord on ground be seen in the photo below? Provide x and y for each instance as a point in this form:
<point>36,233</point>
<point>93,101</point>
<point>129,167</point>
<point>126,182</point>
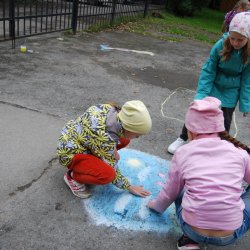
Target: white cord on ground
<point>173,118</point>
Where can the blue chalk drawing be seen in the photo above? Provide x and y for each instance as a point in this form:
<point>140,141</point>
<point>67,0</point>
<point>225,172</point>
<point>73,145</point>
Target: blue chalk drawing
<point>111,206</point>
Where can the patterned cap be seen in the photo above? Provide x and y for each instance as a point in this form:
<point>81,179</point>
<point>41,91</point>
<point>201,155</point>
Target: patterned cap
<point>241,24</point>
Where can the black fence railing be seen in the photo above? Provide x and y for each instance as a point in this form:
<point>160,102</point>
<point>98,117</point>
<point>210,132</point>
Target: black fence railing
<point>23,18</point>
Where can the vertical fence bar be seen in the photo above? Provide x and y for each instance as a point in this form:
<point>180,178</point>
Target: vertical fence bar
<point>64,16</point>
<point>74,16</point>
<point>69,19</point>
<point>24,17</point>
<point>146,9</point>
<point>51,13</point>
<point>41,20</point>
<point>47,15</point>
<point>80,15</point>
<point>12,22</point>
<point>36,11</point>
<point>114,2</point>
<point>31,17</point>
<point>56,14</point>
<point>61,13</point>
<point>17,7</point>
<point>4,27</point>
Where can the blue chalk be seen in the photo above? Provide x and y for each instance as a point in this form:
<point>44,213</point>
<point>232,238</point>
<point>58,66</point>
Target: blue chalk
<point>111,206</point>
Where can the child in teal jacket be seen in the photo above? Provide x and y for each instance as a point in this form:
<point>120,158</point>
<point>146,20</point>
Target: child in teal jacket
<point>226,73</point>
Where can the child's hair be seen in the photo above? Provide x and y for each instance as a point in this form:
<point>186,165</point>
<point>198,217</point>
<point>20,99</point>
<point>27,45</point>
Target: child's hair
<point>114,104</point>
<point>242,5</point>
<point>225,136</point>
<point>226,51</point>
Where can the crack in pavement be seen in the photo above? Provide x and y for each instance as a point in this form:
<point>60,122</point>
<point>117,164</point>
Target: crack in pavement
<point>24,187</point>
<point>29,109</point>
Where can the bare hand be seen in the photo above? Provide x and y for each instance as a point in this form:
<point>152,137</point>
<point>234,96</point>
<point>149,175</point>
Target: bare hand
<point>117,156</point>
<point>245,114</point>
<point>150,205</point>
<point>138,191</point>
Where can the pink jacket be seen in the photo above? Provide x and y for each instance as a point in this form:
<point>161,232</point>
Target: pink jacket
<point>211,171</point>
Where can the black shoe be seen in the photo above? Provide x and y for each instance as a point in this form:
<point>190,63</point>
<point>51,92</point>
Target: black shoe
<point>184,243</point>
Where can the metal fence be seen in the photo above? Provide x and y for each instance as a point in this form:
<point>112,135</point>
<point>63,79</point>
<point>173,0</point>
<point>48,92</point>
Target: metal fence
<point>23,18</point>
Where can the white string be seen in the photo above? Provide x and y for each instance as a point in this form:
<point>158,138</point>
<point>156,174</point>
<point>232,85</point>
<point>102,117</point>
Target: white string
<point>179,120</point>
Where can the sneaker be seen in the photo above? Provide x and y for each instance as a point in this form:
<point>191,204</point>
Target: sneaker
<point>79,190</point>
<point>185,243</point>
<point>175,145</point>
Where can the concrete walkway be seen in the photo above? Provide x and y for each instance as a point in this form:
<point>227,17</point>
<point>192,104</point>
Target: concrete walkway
<point>39,92</point>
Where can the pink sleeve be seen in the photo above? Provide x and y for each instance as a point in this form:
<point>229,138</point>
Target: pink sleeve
<point>247,169</point>
<point>171,189</point>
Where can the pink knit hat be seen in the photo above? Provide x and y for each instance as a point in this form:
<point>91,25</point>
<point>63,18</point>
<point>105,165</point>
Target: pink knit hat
<point>205,116</point>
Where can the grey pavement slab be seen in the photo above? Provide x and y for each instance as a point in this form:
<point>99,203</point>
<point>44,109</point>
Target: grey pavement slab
<point>28,142</point>
<point>40,91</point>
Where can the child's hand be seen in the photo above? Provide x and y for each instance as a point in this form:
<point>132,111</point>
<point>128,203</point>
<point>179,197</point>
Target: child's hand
<point>117,156</point>
<point>150,205</point>
<point>139,191</point>
<point>245,114</point>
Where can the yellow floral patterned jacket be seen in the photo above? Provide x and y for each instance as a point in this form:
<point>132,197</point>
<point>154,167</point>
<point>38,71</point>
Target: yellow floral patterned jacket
<point>96,132</point>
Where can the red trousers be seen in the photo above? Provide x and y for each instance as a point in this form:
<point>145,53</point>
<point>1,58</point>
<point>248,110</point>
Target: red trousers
<point>89,169</point>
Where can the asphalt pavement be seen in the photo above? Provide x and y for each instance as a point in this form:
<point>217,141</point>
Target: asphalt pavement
<point>57,80</point>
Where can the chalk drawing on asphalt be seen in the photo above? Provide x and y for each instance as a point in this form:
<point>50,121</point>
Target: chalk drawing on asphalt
<point>105,47</point>
<point>172,100</point>
<point>111,206</point>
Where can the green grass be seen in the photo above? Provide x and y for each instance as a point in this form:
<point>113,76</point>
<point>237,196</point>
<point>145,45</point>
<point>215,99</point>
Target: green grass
<point>207,19</point>
<point>204,26</point>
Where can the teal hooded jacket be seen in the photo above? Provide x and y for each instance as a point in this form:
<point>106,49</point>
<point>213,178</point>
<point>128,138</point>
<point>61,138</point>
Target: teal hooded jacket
<point>229,81</point>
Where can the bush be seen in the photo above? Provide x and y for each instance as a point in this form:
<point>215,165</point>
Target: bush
<point>199,4</point>
<point>186,7</point>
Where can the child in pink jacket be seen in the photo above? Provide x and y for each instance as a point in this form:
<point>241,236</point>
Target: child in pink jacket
<point>205,180</point>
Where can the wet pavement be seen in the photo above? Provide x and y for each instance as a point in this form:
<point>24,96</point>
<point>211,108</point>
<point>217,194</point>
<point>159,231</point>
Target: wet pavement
<point>42,90</point>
